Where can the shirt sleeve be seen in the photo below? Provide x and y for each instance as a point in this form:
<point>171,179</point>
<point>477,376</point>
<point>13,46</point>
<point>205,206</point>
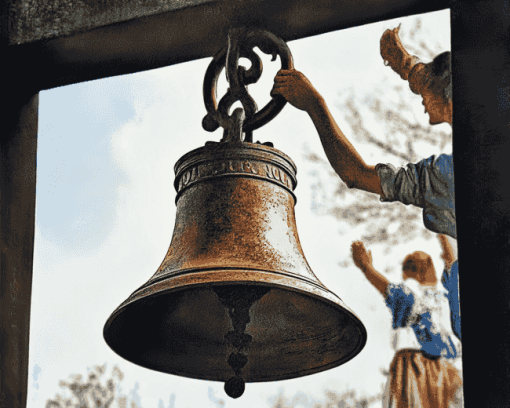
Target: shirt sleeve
<point>450,281</point>
<point>400,184</point>
<point>428,184</point>
<point>400,300</point>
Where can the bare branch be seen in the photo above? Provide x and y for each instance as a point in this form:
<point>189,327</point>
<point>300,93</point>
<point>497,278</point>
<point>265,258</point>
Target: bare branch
<point>362,133</point>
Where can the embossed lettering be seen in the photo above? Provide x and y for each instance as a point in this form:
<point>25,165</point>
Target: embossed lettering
<point>193,174</point>
<point>250,167</point>
<point>276,173</point>
<point>269,173</point>
<point>283,177</point>
<point>234,166</point>
<point>220,168</point>
<point>185,178</point>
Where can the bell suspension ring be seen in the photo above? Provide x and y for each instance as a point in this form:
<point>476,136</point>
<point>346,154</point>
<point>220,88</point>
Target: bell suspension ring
<point>241,42</point>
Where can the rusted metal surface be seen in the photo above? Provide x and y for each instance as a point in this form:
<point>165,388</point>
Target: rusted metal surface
<point>235,238</point>
<point>235,300</point>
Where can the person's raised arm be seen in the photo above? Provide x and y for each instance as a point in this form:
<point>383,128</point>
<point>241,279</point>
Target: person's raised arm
<point>363,260</point>
<point>448,255</point>
<point>342,155</point>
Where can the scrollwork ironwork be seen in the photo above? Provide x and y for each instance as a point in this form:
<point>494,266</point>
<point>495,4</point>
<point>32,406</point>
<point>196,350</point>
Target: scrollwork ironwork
<point>241,42</point>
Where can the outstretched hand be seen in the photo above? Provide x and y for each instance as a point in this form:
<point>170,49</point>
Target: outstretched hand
<point>361,257</point>
<point>295,88</point>
<point>395,55</point>
<point>448,254</point>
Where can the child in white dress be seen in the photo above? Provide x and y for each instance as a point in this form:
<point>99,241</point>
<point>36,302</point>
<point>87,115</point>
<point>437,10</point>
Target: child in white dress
<point>421,374</point>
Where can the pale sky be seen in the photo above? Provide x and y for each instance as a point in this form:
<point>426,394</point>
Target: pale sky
<point>105,212</point>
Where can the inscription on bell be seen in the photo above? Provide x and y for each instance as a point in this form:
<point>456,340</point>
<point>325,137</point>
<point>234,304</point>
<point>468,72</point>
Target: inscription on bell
<point>234,166</point>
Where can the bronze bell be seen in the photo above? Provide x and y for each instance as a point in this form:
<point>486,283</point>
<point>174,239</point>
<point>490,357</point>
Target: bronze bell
<point>235,300</point>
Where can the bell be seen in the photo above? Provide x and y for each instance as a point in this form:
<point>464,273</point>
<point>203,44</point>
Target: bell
<point>235,300</point>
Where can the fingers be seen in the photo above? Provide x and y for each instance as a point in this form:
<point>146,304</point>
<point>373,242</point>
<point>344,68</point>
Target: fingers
<point>278,90</point>
<point>281,88</point>
<point>283,72</point>
<point>282,79</point>
<point>284,75</point>
<point>357,244</point>
<point>358,248</point>
<point>359,254</point>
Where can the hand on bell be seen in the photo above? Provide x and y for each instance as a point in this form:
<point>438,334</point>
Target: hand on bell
<point>295,88</point>
<point>360,256</point>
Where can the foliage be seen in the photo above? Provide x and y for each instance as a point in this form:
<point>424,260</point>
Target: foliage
<point>94,392</point>
<point>398,133</point>
<point>348,399</point>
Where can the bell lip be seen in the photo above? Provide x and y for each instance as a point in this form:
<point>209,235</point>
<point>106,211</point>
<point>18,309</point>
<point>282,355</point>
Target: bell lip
<point>172,273</point>
<point>325,295</point>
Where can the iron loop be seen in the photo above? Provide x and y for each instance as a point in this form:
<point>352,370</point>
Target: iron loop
<point>241,42</point>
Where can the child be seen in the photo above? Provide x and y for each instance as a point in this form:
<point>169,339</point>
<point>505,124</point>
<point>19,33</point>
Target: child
<point>421,374</point>
<point>427,184</point>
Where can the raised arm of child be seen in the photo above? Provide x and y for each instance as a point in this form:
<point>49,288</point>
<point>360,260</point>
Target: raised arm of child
<point>363,260</point>
<point>342,155</point>
<point>448,255</point>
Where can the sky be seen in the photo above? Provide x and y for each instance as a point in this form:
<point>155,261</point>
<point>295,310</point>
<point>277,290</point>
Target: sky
<point>105,212</point>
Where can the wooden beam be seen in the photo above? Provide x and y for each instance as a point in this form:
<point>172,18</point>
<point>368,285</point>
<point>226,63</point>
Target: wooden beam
<point>192,33</point>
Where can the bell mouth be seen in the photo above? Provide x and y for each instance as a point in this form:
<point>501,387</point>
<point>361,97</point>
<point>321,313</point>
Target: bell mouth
<point>178,326</point>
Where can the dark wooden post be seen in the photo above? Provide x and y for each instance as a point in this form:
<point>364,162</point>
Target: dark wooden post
<point>481,146</point>
<point>18,145</point>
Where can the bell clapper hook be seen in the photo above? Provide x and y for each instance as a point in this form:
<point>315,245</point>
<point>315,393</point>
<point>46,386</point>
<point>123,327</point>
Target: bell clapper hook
<point>234,133</point>
<point>234,387</point>
<point>238,300</point>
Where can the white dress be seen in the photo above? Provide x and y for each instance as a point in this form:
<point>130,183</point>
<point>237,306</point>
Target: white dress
<point>423,340</point>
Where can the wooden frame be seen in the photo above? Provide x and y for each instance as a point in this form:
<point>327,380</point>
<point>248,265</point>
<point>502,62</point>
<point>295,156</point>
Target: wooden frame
<point>481,138</point>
